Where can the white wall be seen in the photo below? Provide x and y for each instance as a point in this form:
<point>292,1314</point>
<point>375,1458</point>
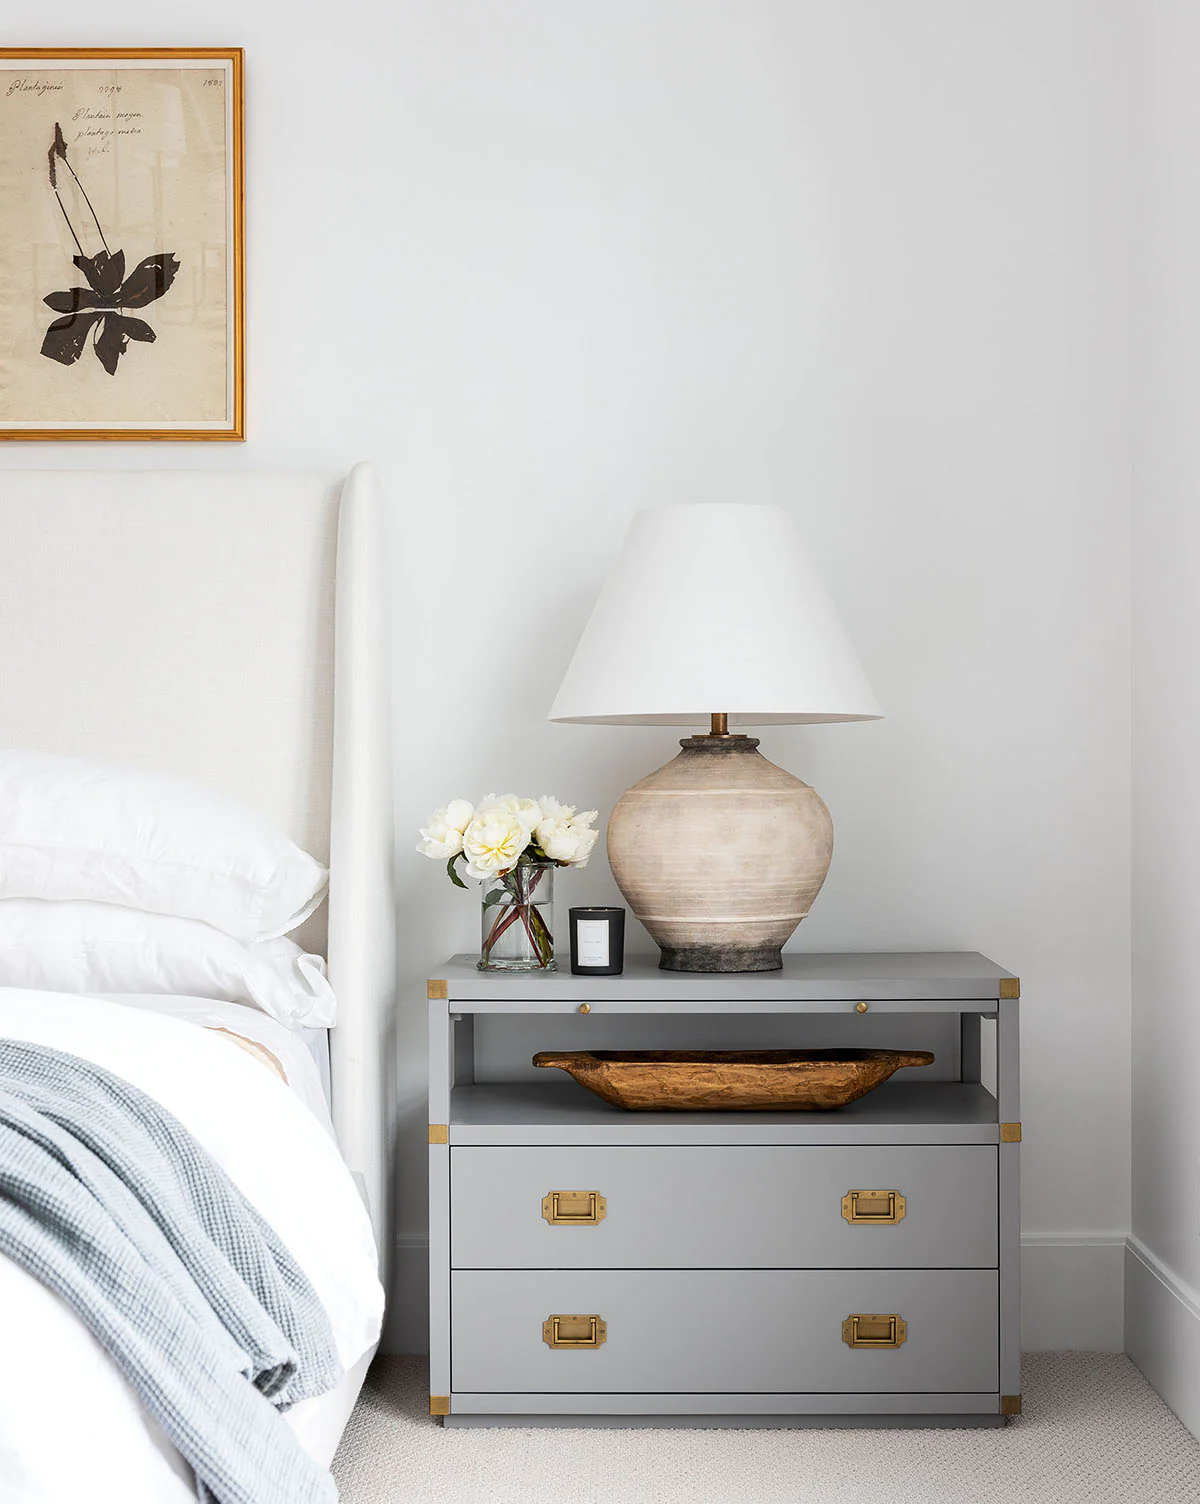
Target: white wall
<point>547,261</point>
<point>1164,1264</point>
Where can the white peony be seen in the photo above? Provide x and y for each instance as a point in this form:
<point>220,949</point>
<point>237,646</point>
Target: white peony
<point>494,840</point>
<point>442,838</point>
<point>493,835</point>
<point>528,811</point>
<point>567,837</point>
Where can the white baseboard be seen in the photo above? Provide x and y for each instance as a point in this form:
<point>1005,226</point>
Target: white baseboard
<point>1162,1331</point>
<point>1071,1293</point>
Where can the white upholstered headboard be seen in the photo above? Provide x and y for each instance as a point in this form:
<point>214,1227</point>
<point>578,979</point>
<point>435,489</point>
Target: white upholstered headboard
<point>228,628</point>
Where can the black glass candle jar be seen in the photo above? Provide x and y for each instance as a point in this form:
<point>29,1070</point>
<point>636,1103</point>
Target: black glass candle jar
<point>597,942</point>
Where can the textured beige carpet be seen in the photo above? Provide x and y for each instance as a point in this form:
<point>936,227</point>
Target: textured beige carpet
<point>1093,1432</point>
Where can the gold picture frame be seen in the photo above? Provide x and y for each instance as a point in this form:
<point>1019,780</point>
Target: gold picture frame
<point>122,183</point>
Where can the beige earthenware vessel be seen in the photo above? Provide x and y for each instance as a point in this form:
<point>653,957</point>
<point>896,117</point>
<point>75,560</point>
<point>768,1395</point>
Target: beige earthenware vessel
<point>720,854</point>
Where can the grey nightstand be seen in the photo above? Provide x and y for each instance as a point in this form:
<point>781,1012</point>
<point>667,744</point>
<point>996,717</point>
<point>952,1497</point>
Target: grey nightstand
<point>591,1266</point>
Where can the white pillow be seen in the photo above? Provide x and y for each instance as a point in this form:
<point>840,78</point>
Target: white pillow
<point>72,829</point>
<point>101,947</point>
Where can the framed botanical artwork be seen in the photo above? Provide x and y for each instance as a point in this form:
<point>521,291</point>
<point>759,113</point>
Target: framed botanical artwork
<point>122,244</point>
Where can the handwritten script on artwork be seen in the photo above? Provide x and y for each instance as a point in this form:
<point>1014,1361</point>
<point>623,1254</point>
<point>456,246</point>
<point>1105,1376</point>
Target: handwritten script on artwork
<point>95,129</point>
<point>91,128</point>
<point>34,86</point>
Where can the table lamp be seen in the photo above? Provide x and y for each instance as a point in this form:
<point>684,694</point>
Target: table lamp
<point>714,614</point>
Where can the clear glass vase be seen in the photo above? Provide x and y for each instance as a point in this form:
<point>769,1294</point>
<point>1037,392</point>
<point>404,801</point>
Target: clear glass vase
<point>518,920</point>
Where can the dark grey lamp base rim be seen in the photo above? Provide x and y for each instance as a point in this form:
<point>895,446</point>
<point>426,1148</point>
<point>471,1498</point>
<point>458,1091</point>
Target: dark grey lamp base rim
<point>720,958</point>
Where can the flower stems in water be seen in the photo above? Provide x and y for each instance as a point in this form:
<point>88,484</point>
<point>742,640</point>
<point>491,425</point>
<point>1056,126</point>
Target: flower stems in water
<point>521,886</point>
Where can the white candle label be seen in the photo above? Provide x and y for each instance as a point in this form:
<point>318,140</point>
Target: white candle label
<point>591,942</point>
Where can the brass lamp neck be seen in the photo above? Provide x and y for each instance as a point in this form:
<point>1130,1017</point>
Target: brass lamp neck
<point>720,729</point>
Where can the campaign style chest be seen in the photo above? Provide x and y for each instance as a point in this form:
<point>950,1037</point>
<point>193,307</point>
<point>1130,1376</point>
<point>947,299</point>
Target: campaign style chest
<point>594,1265</point>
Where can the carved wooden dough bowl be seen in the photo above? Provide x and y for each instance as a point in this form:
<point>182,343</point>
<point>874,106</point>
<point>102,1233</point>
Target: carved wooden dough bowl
<point>731,1080</point>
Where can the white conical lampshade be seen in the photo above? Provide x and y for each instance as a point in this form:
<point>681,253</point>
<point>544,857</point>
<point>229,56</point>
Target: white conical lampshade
<point>714,608</point>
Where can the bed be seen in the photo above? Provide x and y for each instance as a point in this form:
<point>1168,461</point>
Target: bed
<point>226,628</point>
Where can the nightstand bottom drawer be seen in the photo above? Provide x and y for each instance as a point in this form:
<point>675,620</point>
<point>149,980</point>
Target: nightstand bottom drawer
<point>725,1331</point>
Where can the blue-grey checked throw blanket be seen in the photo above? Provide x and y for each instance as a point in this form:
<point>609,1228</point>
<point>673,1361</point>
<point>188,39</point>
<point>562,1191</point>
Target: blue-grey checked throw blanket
<point>110,1202</point>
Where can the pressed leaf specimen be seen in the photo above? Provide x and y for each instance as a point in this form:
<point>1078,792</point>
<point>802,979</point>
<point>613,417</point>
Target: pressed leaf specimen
<point>99,309</point>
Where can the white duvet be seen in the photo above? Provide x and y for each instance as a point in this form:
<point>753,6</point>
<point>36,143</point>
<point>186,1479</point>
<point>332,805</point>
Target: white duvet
<point>71,1429</point>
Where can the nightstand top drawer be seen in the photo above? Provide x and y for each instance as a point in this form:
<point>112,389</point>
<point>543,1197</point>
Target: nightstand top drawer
<point>722,1207</point>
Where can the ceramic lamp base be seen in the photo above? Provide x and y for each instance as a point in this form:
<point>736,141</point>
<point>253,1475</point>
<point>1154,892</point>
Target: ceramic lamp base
<point>729,957</point>
<point>720,854</point>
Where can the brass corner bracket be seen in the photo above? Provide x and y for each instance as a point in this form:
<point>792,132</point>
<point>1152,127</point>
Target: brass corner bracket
<point>1010,986</point>
<point>439,1404</point>
<point>442,990</point>
<point>439,1133</point>
<point>1010,1133</point>
<point>1010,1404</point>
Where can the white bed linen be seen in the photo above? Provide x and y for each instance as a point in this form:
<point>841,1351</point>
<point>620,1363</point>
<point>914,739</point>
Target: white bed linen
<point>107,949</point>
<point>71,828</point>
<point>297,1052</point>
<point>71,1428</point>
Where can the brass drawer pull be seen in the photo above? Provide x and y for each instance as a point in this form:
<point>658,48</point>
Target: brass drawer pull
<point>574,1208</point>
<point>880,1207</point>
<point>874,1331</point>
<point>574,1331</point>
